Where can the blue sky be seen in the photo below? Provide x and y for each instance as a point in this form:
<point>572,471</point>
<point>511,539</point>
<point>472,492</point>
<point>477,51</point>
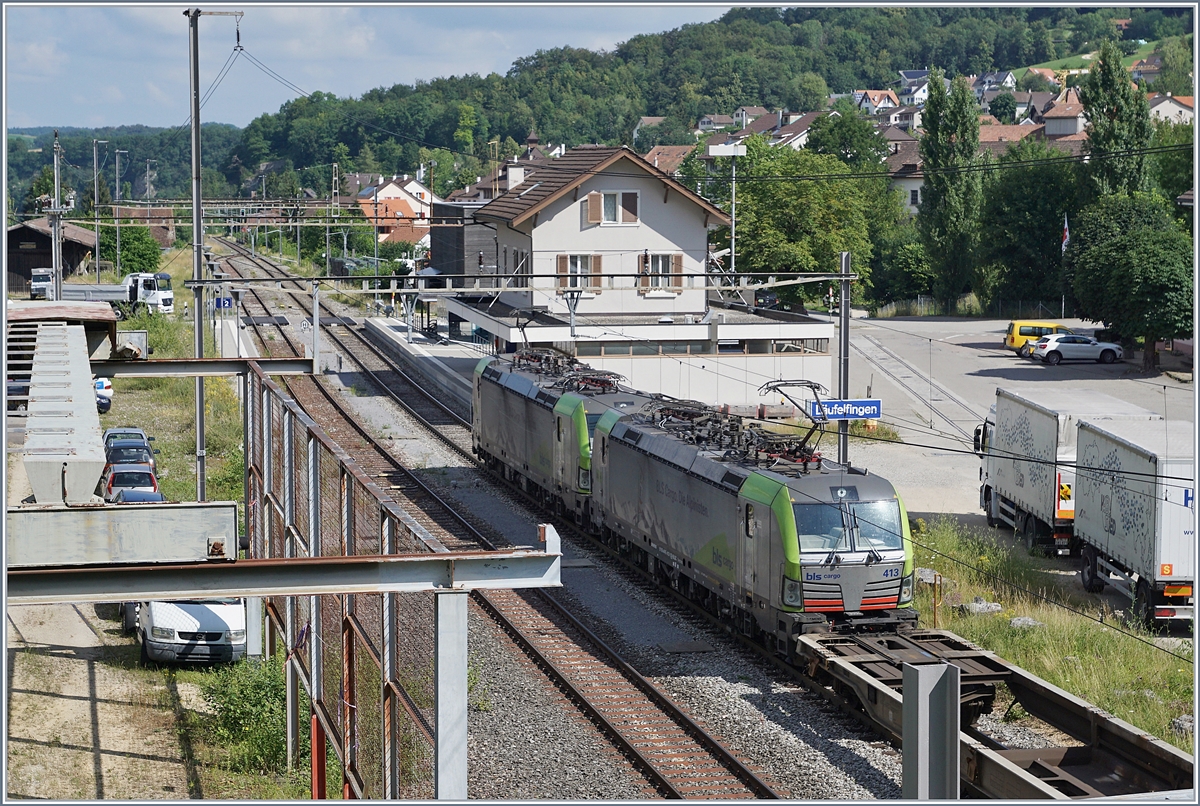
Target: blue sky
<point>113,65</point>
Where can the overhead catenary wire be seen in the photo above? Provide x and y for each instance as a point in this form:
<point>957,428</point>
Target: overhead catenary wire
<point>995,577</point>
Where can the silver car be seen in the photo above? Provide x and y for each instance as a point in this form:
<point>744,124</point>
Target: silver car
<point>126,477</point>
<point>1064,347</point>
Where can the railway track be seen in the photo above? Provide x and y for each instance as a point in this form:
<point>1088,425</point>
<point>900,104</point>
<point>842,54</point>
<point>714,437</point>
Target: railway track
<point>918,395</point>
<point>677,757</point>
<point>861,675</point>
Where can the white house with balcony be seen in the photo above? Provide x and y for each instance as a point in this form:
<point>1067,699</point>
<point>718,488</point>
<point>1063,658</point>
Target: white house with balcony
<point>626,245</point>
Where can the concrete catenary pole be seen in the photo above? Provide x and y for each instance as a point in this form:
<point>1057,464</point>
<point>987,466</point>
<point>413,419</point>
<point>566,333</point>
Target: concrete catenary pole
<point>117,209</point>
<point>844,359</point>
<point>96,197</point>
<point>56,223</point>
<point>193,15</point>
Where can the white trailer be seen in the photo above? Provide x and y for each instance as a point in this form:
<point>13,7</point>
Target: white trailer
<point>1135,510</point>
<point>1027,453</point>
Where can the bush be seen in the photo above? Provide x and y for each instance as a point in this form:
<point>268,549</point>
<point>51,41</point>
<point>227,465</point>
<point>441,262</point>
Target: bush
<point>249,702</point>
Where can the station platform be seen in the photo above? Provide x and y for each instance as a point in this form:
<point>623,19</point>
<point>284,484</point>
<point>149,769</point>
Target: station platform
<point>447,365</point>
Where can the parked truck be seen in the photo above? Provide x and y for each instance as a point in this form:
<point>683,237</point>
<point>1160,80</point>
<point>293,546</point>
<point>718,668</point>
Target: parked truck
<point>1027,453</point>
<point>138,289</point>
<point>1135,514</point>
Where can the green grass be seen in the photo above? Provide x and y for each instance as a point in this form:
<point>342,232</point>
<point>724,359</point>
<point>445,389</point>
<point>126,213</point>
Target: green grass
<point>1078,61</point>
<point>1094,661</point>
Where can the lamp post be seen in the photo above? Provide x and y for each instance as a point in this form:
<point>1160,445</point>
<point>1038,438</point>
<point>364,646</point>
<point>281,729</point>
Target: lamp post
<point>96,197</point>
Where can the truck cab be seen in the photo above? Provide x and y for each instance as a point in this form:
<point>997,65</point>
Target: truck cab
<point>144,288</point>
<point>40,282</point>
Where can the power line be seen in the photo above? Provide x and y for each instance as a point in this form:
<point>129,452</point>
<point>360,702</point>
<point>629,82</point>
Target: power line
<point>992,575</point>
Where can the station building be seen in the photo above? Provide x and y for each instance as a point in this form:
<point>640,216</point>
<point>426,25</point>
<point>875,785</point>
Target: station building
<point>626,245</point>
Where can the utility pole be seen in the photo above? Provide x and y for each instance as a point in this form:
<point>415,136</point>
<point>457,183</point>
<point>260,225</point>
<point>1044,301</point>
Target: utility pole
<point>193,15</point>
<point>334,209</point>
<point>56,223</point>
<point>117,210</point>
<point>733,152</point>
<point>844,358</point>
<point>148,189</point>
<point>96,197</point>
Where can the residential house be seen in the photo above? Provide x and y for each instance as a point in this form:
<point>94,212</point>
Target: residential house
<point>918,94</point>
<point>710,123</point>
<point>603,256</point>
<point>795,133</point>
<point>763,124</point>
<point>894,136</point>
<point>459,245</point>
<point>1147,68</point>
<point>1023,100</point>
<point>668,158</point>
<point>988,120</point>
<point>904,169</point>
<point>1007,135</point>
<point>908,118</point>
<point>904,166</point>
<point>1000,80</point>
<point>1039,102</point>
<point>646,121</point>
<point>29,248</point>
<point>400,209</point>
<point>1065,118</point>
<point>872,101</point>
<point>1046,73</point>
<point>1176,108</point>
<point>913,78</point>
<point>494,183</point>
<point>743,115</point>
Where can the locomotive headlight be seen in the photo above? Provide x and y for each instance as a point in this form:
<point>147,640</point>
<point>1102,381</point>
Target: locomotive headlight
<point>906,589</point>
<point>585,479</point>
<point>792,595</point>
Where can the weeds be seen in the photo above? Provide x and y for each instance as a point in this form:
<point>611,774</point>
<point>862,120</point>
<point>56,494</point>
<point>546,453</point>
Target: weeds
<point>249,703</point>
<point>1130,678</point>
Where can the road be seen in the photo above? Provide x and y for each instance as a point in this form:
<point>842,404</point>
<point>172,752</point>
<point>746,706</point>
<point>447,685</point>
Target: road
<point>937,377</point>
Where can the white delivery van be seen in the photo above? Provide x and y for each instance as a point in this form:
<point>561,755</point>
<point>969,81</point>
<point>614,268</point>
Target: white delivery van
<point>192,631</point>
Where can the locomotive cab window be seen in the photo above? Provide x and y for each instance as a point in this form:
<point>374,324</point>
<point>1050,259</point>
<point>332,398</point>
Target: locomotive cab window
<point>821,527</point>
<point>878,524</point>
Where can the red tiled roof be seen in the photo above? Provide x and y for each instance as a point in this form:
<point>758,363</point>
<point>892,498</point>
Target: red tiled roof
<point>997,133</point>
<point>1064,111</point>
<point>668,158</point>
<point>545,182</point>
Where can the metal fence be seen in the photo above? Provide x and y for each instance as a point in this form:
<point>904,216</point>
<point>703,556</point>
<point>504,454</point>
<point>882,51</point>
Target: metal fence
<point>366,661</point>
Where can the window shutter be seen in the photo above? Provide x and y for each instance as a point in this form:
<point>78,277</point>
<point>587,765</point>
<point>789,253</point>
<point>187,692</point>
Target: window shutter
<point>596,275</point>
<point>644,271</point>
<point>562,271</point>
<point>629,208</point>
<point>595,205</point>
<point>677,272</point>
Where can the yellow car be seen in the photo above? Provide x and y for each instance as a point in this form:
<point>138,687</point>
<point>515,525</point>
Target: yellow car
<point>1021,335</point>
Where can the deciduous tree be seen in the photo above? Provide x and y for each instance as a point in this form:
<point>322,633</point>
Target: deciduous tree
<point>1172,170</point>
<point>948,217</point>
<point>1024,203</point>
<point>1142,284</point>
<point>1004,107</point>
<point>1119,130</point>
<point>848,136</point>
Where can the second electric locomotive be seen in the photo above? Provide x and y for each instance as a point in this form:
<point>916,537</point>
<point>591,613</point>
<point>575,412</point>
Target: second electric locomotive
<point>749,521</point>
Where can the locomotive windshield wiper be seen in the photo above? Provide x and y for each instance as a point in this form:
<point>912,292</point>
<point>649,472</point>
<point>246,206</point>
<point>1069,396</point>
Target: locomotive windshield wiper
<point>873,556</point>
<point>832,558</point>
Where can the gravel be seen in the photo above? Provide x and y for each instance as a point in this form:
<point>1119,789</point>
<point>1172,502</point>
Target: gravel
<point>523,742</point>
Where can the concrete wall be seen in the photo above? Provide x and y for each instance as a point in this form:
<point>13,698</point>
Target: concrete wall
<point>716,379</point>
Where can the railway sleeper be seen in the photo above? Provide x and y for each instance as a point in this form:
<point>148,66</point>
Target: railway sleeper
<point>858,662</point>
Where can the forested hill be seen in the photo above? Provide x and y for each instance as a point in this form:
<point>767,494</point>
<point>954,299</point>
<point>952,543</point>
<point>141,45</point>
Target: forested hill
<point>765,57</point>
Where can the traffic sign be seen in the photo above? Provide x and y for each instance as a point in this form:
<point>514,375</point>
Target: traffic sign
<point>847,409</point>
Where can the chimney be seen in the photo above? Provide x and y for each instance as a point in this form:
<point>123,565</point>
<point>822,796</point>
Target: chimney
<point>516,175</point>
